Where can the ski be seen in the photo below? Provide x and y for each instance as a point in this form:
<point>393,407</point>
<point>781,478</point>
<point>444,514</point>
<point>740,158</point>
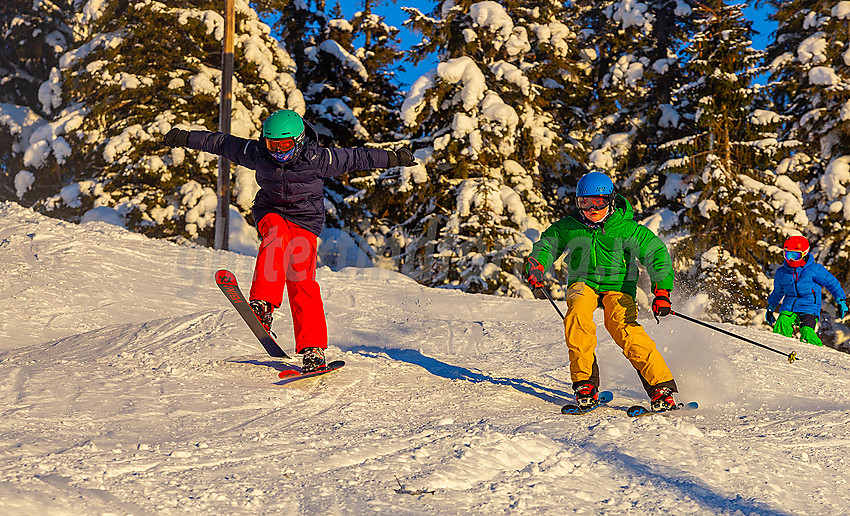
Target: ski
<point>640,410</point>
<point>226,281</point>
<point>604,398</point>
<point>294,374</point>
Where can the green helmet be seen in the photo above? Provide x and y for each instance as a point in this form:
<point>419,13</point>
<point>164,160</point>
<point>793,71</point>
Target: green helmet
<point>284,123</point>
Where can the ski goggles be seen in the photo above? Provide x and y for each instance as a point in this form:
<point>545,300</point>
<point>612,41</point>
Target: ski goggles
<point>794,255</point>
<point>593,202</point>
<point>283,145</point>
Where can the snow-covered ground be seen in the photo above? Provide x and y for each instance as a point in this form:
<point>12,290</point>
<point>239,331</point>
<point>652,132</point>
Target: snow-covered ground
<point>129,386</point>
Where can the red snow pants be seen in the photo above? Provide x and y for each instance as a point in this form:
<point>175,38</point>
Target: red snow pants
<point>287,259</point>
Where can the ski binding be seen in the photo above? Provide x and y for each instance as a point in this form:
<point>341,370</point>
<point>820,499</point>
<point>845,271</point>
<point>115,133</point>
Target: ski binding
<point>572,408</point>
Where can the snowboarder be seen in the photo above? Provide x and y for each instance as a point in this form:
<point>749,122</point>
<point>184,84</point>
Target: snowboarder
<point>289,212</point>
<point>797,286</point>
<point>604,242</point>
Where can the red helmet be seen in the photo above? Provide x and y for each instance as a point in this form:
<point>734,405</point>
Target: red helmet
<point>795,250</point>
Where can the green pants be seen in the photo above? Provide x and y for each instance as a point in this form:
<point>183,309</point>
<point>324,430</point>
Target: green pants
<point>788,322</point>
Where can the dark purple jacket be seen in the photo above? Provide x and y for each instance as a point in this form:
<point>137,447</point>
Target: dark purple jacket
<point>293,189</point>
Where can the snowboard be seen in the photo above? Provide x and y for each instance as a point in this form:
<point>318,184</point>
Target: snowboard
<point>294,374</point>
<point>640,410</point>
<point>604,398</point>
<point>226,281</point>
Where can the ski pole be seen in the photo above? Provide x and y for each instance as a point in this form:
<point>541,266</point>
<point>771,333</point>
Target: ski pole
<point>549,297</point>
<point>792,356</point>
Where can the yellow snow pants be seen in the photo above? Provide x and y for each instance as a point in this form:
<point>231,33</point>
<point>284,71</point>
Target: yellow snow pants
<point>621,322</point>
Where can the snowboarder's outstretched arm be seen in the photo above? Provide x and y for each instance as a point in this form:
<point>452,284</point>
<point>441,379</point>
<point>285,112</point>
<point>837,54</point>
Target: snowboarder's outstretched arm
<point>333,162</point>
<point>238,150</point>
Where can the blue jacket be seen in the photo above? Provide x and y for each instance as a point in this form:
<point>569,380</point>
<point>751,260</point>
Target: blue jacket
<point>293,189</point>
<point>799,288</point>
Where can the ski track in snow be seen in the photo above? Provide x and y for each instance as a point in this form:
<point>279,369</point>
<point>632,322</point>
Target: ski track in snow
<point>129,386</point>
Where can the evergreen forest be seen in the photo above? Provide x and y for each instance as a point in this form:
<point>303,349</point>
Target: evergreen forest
<point>722,149</point>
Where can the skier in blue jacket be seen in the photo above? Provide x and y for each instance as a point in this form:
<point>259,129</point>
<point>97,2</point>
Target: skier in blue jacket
<point>289,211</point>
<point>797,286</point>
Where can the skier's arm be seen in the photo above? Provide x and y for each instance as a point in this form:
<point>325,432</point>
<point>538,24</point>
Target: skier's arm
<point>551,245</point>
<point>656,258</point>
<point>238,150</point>
<point>334,161</point>
<point>825,278</point>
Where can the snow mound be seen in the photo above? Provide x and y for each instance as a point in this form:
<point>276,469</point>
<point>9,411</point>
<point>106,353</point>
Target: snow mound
<point>130,385</point>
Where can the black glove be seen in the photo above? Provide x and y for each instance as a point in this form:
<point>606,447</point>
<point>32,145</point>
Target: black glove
<point>177,138</point>
<point>401,158</point>
<point>661,304</point>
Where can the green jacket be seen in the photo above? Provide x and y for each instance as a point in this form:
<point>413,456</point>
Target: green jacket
<point>604,257</point>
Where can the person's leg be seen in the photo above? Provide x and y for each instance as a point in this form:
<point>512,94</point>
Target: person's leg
<point>638,347</point>
<point>580,334</point>
<point>785,324</point>
<point>269,272</point>
<point>808,323</point>
<point>305,299</point>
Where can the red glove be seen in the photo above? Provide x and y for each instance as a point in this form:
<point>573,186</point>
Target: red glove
<point>535,272</point>
<point>661,304</point>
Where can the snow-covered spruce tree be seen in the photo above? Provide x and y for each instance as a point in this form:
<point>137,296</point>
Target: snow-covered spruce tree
<point>352,101</point>
<point>810,62</point>
<point>737,201</point>
<point>35,34</point>
<point>559,72</point>
<point>137,70</point>
<point>360,108</point>
<point>350,90</point>
<point>296,25</point>
<point>810,67</point>
<point>631,50</point>
<point>467,213</point>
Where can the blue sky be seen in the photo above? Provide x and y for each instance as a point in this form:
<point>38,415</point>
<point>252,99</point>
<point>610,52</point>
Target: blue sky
<point>391,10</point>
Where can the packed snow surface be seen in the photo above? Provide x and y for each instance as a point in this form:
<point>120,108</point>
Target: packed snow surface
<point>130,386</point>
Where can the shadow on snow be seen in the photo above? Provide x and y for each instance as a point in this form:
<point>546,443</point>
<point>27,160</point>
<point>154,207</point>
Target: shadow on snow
<point>686,483</point>
<point>451,372</point>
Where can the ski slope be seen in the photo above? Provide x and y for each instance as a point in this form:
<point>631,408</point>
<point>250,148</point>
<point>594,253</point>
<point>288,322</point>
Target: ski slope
<point>130,386</point>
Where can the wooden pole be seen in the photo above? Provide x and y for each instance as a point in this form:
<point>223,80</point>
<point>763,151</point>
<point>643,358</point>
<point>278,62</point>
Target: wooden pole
<point>222,213</point>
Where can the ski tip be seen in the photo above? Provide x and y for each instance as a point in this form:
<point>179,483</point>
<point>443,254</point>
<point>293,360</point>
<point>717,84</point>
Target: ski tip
<point>223,274</point>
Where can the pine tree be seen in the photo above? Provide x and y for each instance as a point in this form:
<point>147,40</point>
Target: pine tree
<point>631,49</point>
<point>737,201</point>
<point>373,105</point>
<point>810,67</point>
<point>297,23</point>
<point>34,37</point>
<point>350,89</point>
<point>465,212</point>
<point>137,70</point>
<point>558,69</point>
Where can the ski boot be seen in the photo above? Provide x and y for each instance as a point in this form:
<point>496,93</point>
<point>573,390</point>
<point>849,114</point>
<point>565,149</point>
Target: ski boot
<point>263,310</point>
<point>661,400</point>
<point>587,396</point>
<point>312,360</point>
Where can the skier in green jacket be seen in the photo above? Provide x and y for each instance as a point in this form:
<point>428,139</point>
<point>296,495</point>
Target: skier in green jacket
<point>604,243</point>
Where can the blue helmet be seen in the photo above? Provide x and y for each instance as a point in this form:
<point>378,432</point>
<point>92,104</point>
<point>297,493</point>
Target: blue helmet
<point>595,183</point>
